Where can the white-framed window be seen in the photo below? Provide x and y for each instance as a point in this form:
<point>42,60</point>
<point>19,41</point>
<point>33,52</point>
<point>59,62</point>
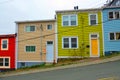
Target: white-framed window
<point>30,48</point>
<point>70,42</point>
<point>4,62</point>
<point>69,20</point>
<point>93,19</point>
<point>114,36</point>
<point>4,45</point>
<point>114,15</point>
<point>30,28</point>
<point>49,27</point>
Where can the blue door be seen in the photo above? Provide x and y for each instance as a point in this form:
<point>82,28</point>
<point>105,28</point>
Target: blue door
<point>49,51</point>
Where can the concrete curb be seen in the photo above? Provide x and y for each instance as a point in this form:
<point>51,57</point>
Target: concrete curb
<point>63,67</point>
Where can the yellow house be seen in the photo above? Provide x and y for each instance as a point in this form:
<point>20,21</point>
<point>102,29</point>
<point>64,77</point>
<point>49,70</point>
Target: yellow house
<point>79,33</point>
<point>35,42</point>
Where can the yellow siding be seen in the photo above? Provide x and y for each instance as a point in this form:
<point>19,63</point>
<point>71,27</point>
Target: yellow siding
<point>82,31</point>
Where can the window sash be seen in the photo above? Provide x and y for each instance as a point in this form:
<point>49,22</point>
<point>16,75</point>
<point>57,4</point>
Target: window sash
<point>70,42</point>
<point>115,36</point>
<point>30,28</point>
<point>69,20</point>
<point>114,15</point>
<point>4,62</point>
<point>49,27</point>
<point>93,19</point>
<point>30,48</point>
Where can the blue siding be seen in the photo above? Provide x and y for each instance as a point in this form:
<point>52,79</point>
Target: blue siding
<point>108,27</point>
<point>28,64</point>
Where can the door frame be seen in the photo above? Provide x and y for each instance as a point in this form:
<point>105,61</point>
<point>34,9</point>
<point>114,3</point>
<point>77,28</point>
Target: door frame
<point>91,46</point>
<point>53,50</point>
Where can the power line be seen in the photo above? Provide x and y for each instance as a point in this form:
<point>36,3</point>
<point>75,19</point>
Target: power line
<point>56,33</point>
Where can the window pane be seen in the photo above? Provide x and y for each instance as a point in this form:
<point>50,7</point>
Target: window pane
<point>49,42</point>
<point>66,42</point>
<point>27,29</point>
<point>112,37</point>
<point>27,48</point>
<point>93,20</point>
<point>4,44</point>
<point>111,16</point>
<point>65,20</point>
<point>117,15</point>
<point>32,28</point>
<point>117,36</point>
<point>73,20</point>
<point>32,48</point>
<point>49,27</point>
<point>74,42</point>
<point>1,61</point>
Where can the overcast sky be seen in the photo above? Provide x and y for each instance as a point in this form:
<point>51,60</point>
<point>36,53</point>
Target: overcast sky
<point>20,10</point>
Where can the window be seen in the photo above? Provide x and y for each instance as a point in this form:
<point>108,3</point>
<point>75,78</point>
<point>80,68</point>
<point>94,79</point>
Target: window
<point>4,44</point>
<point>30,48</point>
<point>4,62</point>
<point>115,36</point>
<point>49,42</point>
<point>93,19</point>
<point>114,15</point>
<point>30,28</point>
<point>49,27</point>
<point>70,42</point>
<point>69,20</point>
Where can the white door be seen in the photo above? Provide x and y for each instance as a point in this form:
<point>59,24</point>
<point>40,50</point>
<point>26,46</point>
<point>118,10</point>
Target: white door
<point>49,51</point>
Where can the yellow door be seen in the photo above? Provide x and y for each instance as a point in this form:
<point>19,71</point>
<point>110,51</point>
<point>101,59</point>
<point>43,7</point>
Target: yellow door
<point>94,47</point>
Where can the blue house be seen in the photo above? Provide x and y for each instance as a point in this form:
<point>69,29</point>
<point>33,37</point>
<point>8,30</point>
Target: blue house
<point>111,27</point>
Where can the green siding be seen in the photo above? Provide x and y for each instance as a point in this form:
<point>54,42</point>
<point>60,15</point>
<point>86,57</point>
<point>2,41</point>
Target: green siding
<point>82,31</point>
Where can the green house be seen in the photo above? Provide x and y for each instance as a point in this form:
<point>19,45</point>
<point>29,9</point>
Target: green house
<point>79,33</point>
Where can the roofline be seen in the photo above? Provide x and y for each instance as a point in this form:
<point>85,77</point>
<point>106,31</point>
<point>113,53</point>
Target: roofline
<point>29,21</point>
<point>8,35</point>
<point>109,7</point>
<point>80,10</point>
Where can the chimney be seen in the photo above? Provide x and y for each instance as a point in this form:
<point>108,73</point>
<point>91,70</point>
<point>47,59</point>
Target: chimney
<point>75,7</point>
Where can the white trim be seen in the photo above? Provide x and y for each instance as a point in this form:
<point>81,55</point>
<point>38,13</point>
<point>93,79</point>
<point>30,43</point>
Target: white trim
<point>16,48</point>
<point>2,44</point>
<point>4,63</point>
<point>114,36</point>
<point>70,42</point>
<point>56,40</point>
<point>98,44</point>
<point>103,34</point>
<point>30,61</point>
<point>69,24</point>
<point>96,19</point>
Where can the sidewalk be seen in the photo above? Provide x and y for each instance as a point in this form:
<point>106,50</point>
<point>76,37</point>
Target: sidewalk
<point>98,61</point>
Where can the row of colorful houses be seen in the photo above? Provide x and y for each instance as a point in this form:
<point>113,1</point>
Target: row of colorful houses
<point>72,34</point>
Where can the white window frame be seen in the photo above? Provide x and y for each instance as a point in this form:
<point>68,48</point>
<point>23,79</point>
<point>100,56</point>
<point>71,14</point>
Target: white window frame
<point>29,26</point>
<point>70,47</point>
<point>30,51</point>
<point>114,36</point>
<point>114,17</point>
<point>69,20</point>
<point>2,44</point>
<point>4,62</point>
<point>51,26</point>
<point>96,19</point>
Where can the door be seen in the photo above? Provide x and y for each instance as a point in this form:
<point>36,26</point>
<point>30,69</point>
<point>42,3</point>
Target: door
<point>49,51</point>
<point>94,45</point>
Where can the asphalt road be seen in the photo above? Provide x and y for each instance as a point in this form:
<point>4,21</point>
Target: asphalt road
<point>91,72</point>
